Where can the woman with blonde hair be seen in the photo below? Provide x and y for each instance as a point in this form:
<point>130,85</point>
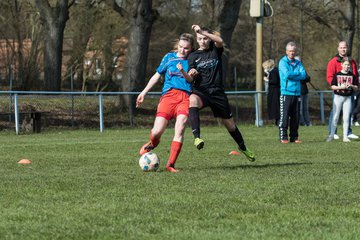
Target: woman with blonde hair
<point>174,102</point>
<point>273,96</point>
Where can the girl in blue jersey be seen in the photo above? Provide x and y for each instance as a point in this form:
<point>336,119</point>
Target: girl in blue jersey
<point>174,102</point>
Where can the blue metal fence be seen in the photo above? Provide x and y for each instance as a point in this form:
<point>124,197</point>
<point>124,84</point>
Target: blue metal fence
<point>14,95</point>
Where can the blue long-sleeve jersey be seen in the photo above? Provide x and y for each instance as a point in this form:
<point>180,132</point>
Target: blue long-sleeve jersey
<point>173,77</point>
<point>291,73</point>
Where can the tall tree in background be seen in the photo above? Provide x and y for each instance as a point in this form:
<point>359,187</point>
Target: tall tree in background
<point>83,16</point>
<point>54,20</point>
<point>346,20</point>
<point>226,16</point>
<point>19,23</point>
<point>141,17</point>
<point>219,15</point>
<point>95,30</point>
<point>337,15</point>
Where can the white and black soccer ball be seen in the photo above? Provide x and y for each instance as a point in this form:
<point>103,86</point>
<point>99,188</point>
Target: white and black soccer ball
<point>149,162</point>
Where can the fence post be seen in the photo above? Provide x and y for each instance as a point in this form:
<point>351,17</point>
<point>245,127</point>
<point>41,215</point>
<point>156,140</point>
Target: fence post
<point>321,95</point>
<point>256,110</point>
<point>72,95</point>
<point>16,111</point>
<point>258,122</point>
<point>101,113</point>
<point>10,88</point>
<point>236,96</point>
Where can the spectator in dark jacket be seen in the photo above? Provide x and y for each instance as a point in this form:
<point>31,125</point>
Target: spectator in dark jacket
<point>304,106</point>
<point>273,96</point>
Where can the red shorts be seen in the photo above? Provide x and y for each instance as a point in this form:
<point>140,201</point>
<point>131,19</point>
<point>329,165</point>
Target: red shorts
<point>173,103</point>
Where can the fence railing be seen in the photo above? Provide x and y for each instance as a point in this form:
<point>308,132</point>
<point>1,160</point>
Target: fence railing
<point>13,102</point>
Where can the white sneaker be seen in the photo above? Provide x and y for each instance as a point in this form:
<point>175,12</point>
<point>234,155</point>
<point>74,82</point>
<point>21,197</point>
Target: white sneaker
<point>357,124</point>
<point>336,137</point>
<point>346,140</point>
<point>353,136</point>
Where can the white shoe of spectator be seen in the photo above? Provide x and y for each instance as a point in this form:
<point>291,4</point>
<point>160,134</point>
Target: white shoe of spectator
<point>357,124</point>
<point>353,136</point>
<point>336,137</point>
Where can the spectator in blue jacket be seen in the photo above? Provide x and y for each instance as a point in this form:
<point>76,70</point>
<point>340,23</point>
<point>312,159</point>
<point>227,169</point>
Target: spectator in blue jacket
<point>291,72</point>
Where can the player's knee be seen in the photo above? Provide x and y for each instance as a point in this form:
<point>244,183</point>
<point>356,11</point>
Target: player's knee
<point>194,101</point>
<point>182,121</point>
<point>229,124</point>
<point>156,133</point>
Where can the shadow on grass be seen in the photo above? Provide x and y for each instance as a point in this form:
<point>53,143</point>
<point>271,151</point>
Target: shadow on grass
<point>260,166</point>
<point>269,165</point>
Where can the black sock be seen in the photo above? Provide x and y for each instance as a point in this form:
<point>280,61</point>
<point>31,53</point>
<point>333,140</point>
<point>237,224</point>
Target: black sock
<point>194,118</point>
<point>236,135</point>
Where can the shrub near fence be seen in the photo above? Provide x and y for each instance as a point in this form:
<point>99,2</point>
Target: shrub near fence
<point>100,110</point>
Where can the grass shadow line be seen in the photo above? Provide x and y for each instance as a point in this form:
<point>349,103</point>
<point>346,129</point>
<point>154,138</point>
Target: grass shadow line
<point>255,166</point>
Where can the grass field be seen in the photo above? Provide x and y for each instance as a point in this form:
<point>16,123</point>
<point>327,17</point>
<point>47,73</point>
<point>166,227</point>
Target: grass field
<point>88,185</point>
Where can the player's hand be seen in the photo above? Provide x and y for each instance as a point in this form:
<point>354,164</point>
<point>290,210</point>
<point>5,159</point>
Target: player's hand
<point>139,99</point>
<point>193,72</point>
<point>179,66</point>
<point>196,28</point>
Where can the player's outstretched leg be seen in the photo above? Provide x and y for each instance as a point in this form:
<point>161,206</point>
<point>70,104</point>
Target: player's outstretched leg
<point>236,135</point>
<point>149,146</point>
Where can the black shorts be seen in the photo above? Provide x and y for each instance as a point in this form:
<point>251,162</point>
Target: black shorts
<point>217,100</point>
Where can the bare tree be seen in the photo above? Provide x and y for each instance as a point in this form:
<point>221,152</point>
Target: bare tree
<point>337,15</point>
<point>140,16</point>
<point>83,15</point>
<point>54,19</point>
<point>21,33</point>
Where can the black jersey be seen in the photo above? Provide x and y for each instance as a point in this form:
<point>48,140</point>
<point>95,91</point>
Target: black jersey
<point>209,65</point>
<point>341,78</point>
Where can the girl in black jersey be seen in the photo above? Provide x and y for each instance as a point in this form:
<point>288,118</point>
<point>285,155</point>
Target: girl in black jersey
<point>205,66</point>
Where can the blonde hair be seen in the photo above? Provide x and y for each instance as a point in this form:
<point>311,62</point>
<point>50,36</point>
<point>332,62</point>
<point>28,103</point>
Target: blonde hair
<point>186,37</point>
<point>216,33</point>
<point>268,64</point>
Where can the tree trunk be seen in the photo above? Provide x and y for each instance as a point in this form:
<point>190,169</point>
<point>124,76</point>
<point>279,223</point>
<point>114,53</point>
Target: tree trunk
<point>54,21</point>
<point>341,20</point>
<point>85,14</point>
<point>141,22</point>
<point>346,26</point>
<point>226,15</point>
<point>141,17</point>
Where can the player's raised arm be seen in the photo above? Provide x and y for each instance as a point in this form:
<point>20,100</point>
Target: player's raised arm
<point>219,42</point>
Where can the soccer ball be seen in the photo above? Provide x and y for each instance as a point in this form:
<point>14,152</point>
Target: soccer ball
<point>149,162</point>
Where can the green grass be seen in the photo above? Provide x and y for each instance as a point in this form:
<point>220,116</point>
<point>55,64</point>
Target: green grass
<point>88,185</point>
